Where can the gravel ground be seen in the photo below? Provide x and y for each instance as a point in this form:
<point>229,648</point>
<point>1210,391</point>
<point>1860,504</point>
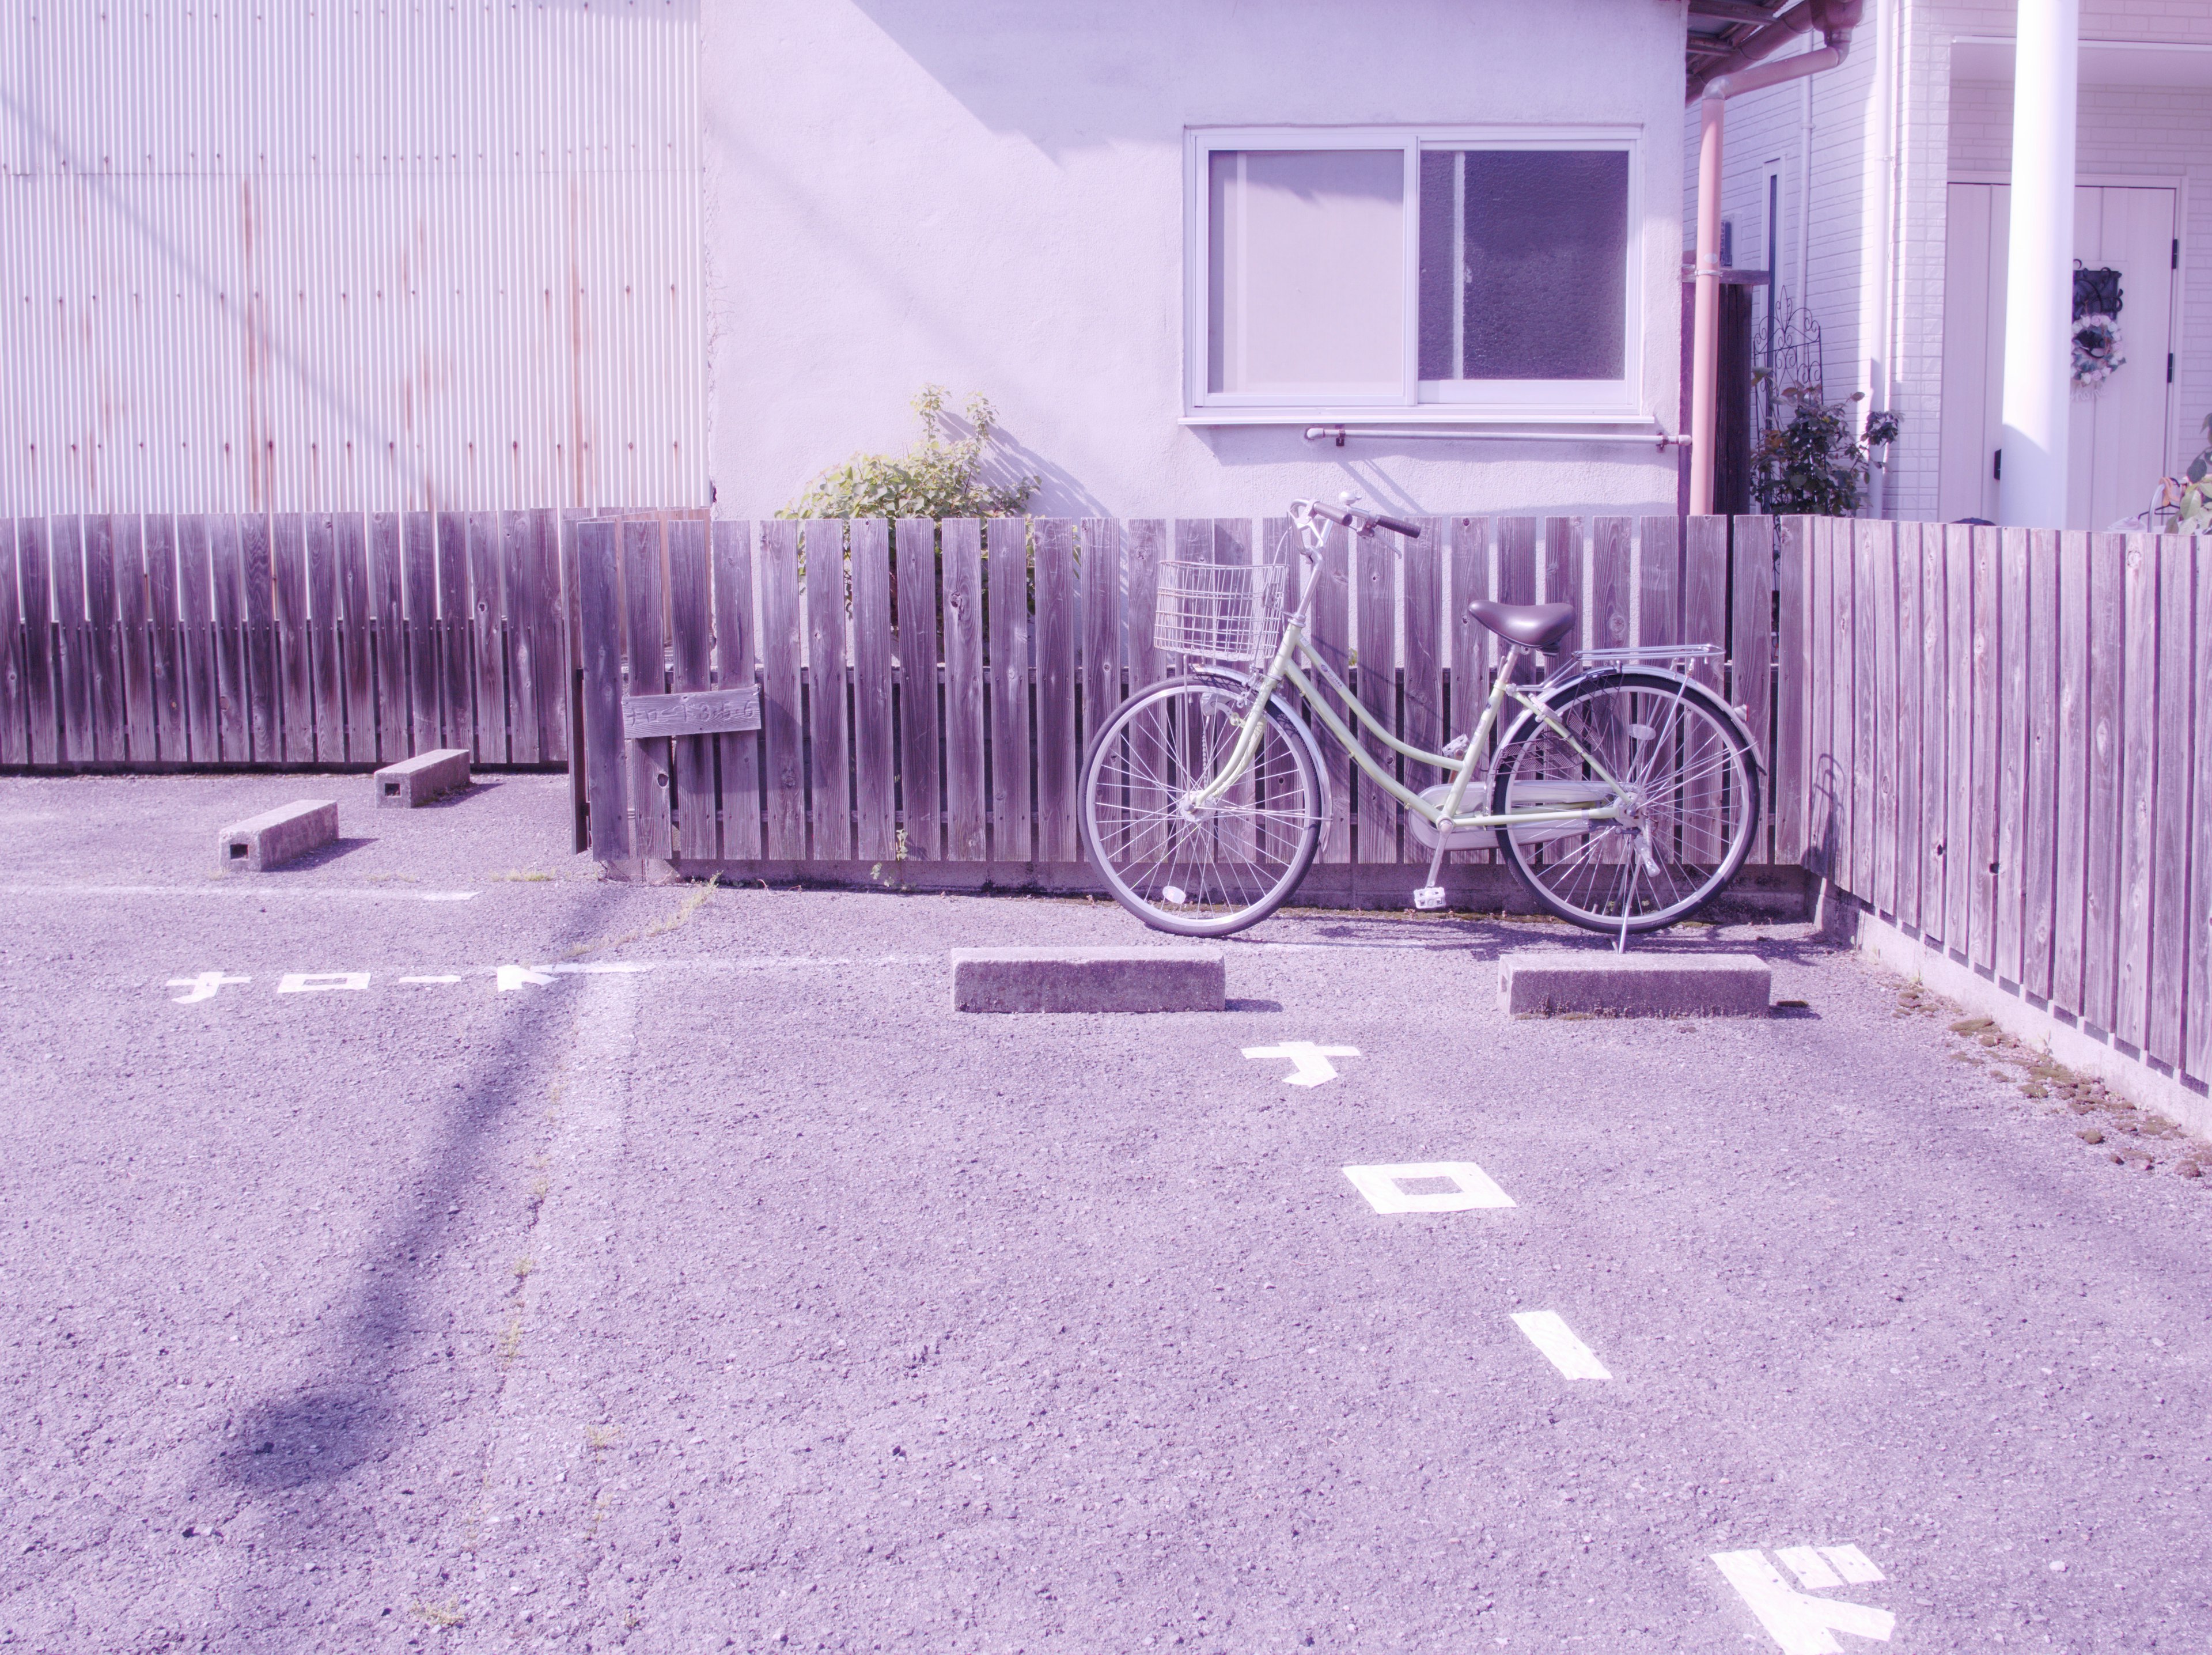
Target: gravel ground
<point>749,1298</point>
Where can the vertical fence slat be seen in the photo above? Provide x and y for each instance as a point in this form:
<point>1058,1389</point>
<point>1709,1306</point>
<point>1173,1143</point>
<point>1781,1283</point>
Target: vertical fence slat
<point>918,652</point>
<point>420,579</point>
<point>387,623</point>
<point>2138,802</point>
<point>875,801</point>
<point>1423,676</point>
<point>1055,690</point>
<point>1751,643</point>
<point>1792,688</point>
<point>14,680</point>
<point>1006,571</point>
<point>966,817</point>
<point>227,625</point>
<point>1987,735</point>
<point>690,636</point>
<point>356,630</point>
<point>196,640</point>
<point>549,647</point>
<point>2072,783</point>
<point>521,621</point>
<point>134,641</point>
<point>1822,828</point>
<point>324,673</point>
<point>454,625</point>
<point>1958,741</point>
<point>1374,571</point>
<point>1143,542</point>
<point>2197,1016</point>
<point>1935,726</point>
<point>482,727</point>
<point>1098,567</point>
<point>164,640</point>
<point>599,613</point>
<point>1911,669</point>
<point>257,586</point>
<point>2039,829</point>
<point>1332,643</point>
<point>652,810</point>
<point>1467,553</point>
<point>783,754</point>
<point>734,644</point>
<point>2100,934</point>
<point>1866,538</point>
<point>295,707</point>
<point>75,659</point>
<point>1843,697</point>
<point>1705,591</point>
<point>830,779</point>
<point>1562,574</point>
<point>1232,548</point>
<point>2169,818</point>
<point>2012,751</point>
<point>1882,621</point>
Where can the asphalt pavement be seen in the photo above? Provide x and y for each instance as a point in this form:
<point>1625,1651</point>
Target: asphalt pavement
<point>435,1247</point>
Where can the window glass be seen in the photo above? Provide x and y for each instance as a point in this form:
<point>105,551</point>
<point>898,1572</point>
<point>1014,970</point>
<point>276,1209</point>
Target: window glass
<point>1307,272</point>
<point>1524,265</point>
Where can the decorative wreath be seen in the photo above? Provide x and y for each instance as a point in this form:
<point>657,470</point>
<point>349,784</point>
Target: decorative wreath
<point>2096,350</point>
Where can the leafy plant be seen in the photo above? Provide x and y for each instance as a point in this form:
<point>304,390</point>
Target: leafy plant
<point>1816,463</point>
<point>943,475</point>
<point>2194,508</point>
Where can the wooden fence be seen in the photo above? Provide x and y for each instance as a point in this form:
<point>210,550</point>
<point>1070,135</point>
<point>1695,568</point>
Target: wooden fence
<point>162,642</point>
<point>924,715</point>
<point>2008,756</point>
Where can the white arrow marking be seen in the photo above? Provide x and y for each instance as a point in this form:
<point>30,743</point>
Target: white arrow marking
<point>1800,1624</point>
<point>320,983</point>
<point>1310,1064</point>
<point>1413,1187</point>
<point>514,977</point>
<point>206,986</point>
<point>1548,1331</point>
<point>1806,1564</point>
<point>1852,1564</point>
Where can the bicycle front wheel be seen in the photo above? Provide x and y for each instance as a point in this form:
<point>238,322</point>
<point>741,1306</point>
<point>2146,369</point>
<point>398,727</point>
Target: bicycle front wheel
<point>1198,869</point>
<point>1688,802</point>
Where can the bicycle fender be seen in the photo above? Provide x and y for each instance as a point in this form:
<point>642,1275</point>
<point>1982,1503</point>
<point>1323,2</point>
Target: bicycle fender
<point>1325,805</point>
<point>1735,718</point>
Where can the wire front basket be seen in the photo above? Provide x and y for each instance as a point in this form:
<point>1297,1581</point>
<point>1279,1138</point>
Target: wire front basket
<point>1219,611</point>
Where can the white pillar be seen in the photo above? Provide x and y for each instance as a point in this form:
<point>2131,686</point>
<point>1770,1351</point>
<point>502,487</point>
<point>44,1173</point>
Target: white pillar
<point>2039,267</point>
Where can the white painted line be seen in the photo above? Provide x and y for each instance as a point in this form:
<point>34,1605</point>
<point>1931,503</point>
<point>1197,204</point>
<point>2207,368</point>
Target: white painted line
<point>206,986</point>
<point>512,977</point>
<point>1800,1624</point>
<point>253,893</point>
<point>1309,1064</point>
<point>1427,1187</point>
<point>320,983</point>
<point>1805,1563</point>
<point>429,979</point>
<point>609,966</point>
<point>1548,1331</point>
<point>1852,1564</point>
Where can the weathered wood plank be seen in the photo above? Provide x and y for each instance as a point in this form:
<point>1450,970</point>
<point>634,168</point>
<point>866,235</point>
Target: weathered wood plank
<point>2039,804</point>
<point>1055,690</point>
<point>1374,571</point>
<point>1985,805</point>
<point>325,694</point>
<point>1232,549</point>
<point>2014,647</point>
<point>1007,572</point>
<point>419,574</point>
<point>1561,574</point>
<point>2138,778</point>
<point>523,602</point>
<point>645,642</point>
<point>15,675</point>
<point>783,750</point>
<point>1472,645</point>
<point>695,712</point>
<point>2196,1014</point>
<point>1882,614</point>
<point>921,806</point>
<point>1098,570</point>
<point>356,629</point>
<point>550,645</point>
<point>228,624</point>
<point>1609,624</point>
<point>455,629</point>
<point>830,779</point>
<point>1515,580</point>
<point>1422,682</point>
<point>599,606</point>
<point>165,658</point>
<point>79,746</point>
<point>1823,828</point>
<point>2100,934</point>
<point>1958,790</point>
<point>1866,538</point>
<point>1934,729</point>
<point>966,816</point>
<point>1751,648</point>
<point>295,703</point>
<point>1905,833</point>
<point>485,732</point>
<point>1143,542</point>
<point>731,545</point>
<point>2169,812</point>
<point>1331,638</point>
<point>42,667</point>
<point>1704,591</point>
<point>257,587</point>
<point>875,800</point>
<point>388,639</point>
<point>1792,688</point>
<point>196,646</point>
<point>134,642</point>
<point>2072,778</point>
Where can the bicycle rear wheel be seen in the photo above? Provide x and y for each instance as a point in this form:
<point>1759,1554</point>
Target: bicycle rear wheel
<point>1689,804</point>
<point>1199,871</point>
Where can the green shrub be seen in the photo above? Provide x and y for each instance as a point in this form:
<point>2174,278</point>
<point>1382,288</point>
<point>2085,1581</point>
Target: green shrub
<point>941,476</point>
<point>1816,464</point>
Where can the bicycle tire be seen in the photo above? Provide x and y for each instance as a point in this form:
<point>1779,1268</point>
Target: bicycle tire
<point>1692,827</point>
<point>1207,875</point>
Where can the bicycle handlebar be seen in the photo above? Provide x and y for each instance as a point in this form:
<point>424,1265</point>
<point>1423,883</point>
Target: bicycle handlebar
<point>1366,522</point>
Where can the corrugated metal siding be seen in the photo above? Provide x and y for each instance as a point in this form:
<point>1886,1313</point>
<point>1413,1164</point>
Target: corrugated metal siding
<point>300,255</point>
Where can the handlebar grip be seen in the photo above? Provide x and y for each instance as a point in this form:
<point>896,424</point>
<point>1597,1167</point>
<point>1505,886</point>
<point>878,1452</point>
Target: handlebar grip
<point>1398,526</point>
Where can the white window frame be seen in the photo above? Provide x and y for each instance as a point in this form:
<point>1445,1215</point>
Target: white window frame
<point>1445,402</point>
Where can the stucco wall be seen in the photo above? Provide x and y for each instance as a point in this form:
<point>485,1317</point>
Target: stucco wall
<point>990,196</point>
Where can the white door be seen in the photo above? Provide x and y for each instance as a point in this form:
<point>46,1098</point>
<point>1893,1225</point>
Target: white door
<point>2117,438</point>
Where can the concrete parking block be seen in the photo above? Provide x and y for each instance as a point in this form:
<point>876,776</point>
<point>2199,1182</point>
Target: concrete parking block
<point>1088,980</point>
<point>276,837</point>
<point>1555,982</point>
<point>426,776</point>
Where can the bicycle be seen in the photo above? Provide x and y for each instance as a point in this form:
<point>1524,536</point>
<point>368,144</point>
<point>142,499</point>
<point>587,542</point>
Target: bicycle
<point>1624,793</point>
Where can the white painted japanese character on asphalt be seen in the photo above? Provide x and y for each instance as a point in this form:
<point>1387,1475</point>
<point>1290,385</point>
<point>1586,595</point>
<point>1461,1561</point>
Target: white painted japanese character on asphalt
<point>1309,1063</point>
<point>1799,1622</point>
<point>206,986</point>
<point>318,982</point>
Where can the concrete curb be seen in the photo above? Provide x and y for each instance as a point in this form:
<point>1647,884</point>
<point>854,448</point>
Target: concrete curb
<point>276,837</point>
<point>419,780</point>
<point>1593,984</point>
<point>1088,980</point>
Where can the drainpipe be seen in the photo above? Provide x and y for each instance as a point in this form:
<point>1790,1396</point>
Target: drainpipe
<point>1835,19</point>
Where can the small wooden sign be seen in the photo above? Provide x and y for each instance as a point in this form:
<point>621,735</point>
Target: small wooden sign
<point>699,712</point>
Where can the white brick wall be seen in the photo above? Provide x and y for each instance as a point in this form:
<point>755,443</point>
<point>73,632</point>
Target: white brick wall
<point>2124,132</point>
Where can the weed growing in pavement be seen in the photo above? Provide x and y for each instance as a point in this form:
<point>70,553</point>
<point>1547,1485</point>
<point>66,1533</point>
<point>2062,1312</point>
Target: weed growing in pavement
<point>691,905</point>
<point>447,1614</point>
<point>526,876</point>
<point>523,1266</point>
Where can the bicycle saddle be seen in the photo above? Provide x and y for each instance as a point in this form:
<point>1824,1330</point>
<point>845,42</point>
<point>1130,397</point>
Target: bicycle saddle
<point>1536,626</point>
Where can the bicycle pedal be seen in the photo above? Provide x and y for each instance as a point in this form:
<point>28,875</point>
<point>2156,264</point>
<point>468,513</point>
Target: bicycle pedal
<point>1429,898</point>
